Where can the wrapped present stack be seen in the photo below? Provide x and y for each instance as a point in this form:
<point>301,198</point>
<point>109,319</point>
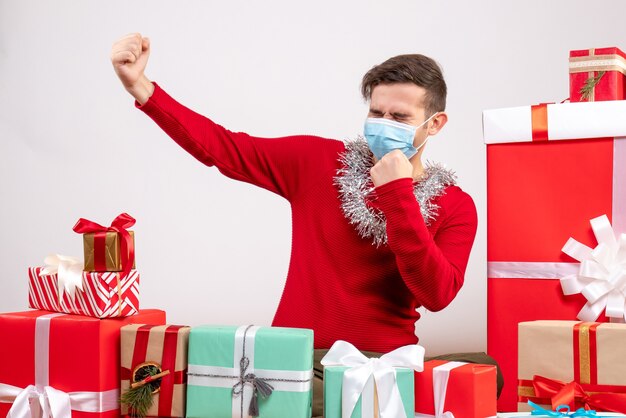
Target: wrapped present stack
<point>107,286</point>
<point>556,181</point>
<point>63,358</point>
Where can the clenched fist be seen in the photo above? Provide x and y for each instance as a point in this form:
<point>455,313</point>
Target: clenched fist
<point>129,56</point>
<point>392,166</point>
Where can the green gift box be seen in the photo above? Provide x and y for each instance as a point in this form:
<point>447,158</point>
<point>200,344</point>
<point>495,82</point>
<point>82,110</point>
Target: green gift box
<point>333,383</point>
<point>359,387</point>
<point>231,369</point>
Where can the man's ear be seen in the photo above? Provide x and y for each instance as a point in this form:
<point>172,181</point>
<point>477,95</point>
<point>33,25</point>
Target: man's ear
<point>437,123</point>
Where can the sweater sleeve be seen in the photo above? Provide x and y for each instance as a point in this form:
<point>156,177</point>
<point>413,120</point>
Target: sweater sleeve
<point>433,268</point>
<point>275,164</point>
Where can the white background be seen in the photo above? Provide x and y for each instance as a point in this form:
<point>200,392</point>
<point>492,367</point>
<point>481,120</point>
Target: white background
<point>212,250</point>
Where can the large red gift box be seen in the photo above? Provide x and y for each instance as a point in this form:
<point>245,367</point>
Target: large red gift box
<point>103,295</point>
<point>602,70</point>
<point>465,390</point>
<point>550,170</point>
<point>62,359</point>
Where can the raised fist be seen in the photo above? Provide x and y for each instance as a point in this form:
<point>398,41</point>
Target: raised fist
<point>129,56</point>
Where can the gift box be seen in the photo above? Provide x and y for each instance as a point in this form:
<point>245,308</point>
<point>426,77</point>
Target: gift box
<point>101,295</point>
<point>578,364</point>
<point>356,386</point>
<point>109,248</point>
<point>550,170</point>
<point>67,364</point>
<point>152,350</point>
<point>463,389</point>
<point>237,371</point>
<point>597,74</point>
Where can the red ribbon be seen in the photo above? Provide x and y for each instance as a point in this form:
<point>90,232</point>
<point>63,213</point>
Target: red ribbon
<point>574,395</point>
<point>539,119</point>
<point>127,247</point>
<point>168,362</point>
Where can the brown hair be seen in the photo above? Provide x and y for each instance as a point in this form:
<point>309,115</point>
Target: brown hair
<point>411,68</point>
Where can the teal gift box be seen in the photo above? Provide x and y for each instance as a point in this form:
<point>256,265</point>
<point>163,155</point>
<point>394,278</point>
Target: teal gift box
<point>232,369</point>
<point>333,383</point>
<point>358,387</point>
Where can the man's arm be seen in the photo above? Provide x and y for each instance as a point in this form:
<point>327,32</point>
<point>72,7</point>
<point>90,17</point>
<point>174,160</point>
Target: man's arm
<point>281,165</point>
<point>433,268</point>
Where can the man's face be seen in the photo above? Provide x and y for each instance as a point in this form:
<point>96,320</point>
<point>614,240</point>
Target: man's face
<point>402,102</point>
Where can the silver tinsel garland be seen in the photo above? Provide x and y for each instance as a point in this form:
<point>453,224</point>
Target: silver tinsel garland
<point>355,184</point>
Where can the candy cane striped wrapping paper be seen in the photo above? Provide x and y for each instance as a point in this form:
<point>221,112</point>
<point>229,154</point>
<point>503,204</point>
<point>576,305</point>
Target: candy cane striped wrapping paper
<point>103,295</point>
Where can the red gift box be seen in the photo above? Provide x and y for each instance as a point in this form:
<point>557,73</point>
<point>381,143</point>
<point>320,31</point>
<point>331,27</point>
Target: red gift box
<point>541,190</point>
<point>103,295</point>
<point>466,390</point>
<point>597,74</point>
<point>68,358</point>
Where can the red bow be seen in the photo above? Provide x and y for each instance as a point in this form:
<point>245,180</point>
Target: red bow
<point>119,225</point>
<point>574,395</point>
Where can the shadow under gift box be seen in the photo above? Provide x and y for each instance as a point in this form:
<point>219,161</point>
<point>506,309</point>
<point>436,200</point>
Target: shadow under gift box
<point>543,187</point>
<point>283,356</point>
<point>70,353</point>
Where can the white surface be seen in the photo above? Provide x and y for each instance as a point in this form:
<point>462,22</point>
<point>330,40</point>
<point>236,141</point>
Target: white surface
<point>71,144</point>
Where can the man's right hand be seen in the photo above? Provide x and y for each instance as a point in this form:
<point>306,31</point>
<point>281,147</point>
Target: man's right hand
<point>129,56</point>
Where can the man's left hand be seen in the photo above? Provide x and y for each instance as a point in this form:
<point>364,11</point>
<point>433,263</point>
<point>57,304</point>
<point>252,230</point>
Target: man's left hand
<point>392,166</point>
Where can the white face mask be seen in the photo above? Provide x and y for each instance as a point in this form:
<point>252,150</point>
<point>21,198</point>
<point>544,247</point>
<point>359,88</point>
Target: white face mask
<point>384,135</point>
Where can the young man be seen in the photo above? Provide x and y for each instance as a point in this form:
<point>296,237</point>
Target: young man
<point>376,234</point>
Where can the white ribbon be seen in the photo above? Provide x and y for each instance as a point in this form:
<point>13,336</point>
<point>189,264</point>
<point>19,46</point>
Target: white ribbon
<point>69,271</point>
<point>441,375</point>
<point>601,277</point>
<point>43,401</point>
<point>382,370</point>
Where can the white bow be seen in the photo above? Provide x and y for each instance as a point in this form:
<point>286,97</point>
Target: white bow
<point>602,274</point>
<point>382,369</point>
<point>47,402</point>
<point>69,271</point>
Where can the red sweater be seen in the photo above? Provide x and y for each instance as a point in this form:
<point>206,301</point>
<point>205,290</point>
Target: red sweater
<point>339,284</point>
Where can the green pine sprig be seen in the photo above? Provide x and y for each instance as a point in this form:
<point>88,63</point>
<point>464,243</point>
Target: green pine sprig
<point>139,399</point>
<point>590,84</point>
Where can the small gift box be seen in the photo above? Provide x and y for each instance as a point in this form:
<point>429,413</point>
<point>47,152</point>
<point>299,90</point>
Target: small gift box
<point>538,197</point>
<point>63,286</point>
<point>108,248</point>
<point>457,388</point>
<point>597,74</point>
<point>249,370</point>
<point>53,364</point>
<point>578,364</point>
<point>154,369</point>
<point>356,386</point>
